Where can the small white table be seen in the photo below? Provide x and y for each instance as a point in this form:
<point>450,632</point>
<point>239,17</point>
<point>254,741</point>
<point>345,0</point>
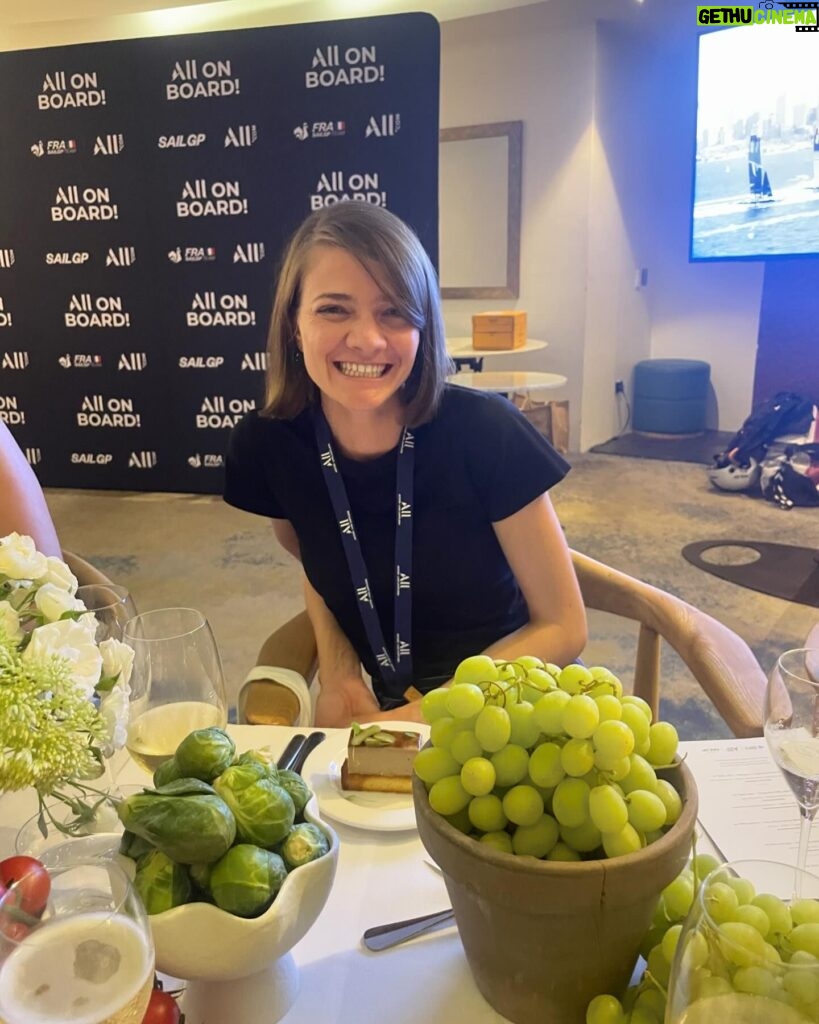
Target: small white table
<point>508,381</point>
<point>464,354</point>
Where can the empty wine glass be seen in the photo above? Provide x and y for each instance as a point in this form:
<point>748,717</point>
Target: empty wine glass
<point>176,682</point>
<point>88,959</point>
<point>111,604</point>
<point>792,732</point>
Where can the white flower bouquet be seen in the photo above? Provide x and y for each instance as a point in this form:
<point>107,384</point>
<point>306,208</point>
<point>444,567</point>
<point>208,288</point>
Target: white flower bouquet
<point>63,696</point>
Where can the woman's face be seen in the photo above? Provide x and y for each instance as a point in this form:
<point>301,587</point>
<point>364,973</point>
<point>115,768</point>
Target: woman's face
<point>357,348</point>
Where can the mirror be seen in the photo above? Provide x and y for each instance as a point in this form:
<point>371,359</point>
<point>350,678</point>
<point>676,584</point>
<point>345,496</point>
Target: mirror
<point>479,203</point>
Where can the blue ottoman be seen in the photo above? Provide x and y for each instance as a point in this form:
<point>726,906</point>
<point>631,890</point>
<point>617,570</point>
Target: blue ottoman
<point>669,396</point>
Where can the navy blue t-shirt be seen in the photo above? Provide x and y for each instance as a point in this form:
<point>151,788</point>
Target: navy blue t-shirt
<point>477,462</point>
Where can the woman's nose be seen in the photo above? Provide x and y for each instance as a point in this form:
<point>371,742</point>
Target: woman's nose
<point>366,335</point>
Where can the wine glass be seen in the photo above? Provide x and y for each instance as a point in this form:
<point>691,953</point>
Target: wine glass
<point>176,682</point>
<point>88,959</point>
<point>792,733</point>
<point>111,604</point>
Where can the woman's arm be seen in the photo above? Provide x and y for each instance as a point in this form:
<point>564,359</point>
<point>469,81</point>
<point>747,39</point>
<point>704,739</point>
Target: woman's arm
<point>23,507</point>
<point>536,549</point>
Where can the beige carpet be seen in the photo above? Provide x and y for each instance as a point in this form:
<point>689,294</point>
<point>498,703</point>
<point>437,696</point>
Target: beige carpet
<point>634,514</point>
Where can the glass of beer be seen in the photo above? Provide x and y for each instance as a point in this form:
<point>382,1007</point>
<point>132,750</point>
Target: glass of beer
<point>88,959</point>
<point>176,682</point>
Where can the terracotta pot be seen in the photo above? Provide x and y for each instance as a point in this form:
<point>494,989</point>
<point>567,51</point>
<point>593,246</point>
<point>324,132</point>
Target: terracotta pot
<point>543,938</point>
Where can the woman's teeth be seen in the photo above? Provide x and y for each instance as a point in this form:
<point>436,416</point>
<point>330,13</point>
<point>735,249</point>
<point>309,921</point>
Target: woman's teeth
<point>363,369</point>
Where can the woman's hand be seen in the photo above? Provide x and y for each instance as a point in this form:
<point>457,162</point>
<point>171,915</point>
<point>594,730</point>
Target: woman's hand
<point>346,701</point>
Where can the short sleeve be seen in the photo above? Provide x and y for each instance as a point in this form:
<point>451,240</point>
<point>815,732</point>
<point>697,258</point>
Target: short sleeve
<point>511,463</point>
<point>247,485</point>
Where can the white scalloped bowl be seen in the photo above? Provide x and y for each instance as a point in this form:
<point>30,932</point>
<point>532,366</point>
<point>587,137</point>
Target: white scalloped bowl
<point>240,969</point>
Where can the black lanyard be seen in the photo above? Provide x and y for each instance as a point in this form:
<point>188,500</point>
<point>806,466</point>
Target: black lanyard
<point>395,665</point>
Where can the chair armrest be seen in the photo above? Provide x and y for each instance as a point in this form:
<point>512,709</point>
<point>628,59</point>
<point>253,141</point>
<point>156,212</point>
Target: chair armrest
<point>721,662</point>
<point>84,571</point>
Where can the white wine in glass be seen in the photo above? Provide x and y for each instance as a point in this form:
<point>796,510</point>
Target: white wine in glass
<point>792,732</point>
<point>176,682</point>
<point>90,960</point>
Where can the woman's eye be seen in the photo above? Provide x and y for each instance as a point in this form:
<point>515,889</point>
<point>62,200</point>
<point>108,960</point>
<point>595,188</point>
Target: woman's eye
<point>331,309</point>
<point>394,314</point>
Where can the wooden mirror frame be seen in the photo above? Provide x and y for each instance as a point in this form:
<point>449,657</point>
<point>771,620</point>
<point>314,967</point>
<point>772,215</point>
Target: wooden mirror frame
<point>513,131</point>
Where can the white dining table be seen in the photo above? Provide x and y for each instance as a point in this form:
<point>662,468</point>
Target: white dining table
<point>507,382</point>
<point>381,877</point>
<point>464,354</point>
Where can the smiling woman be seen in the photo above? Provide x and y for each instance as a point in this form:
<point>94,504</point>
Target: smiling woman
<point>418,509</point>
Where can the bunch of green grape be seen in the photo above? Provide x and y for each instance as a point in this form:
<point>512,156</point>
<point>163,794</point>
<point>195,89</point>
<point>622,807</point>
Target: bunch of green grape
<point>549,762</point>
<point>760,962</point>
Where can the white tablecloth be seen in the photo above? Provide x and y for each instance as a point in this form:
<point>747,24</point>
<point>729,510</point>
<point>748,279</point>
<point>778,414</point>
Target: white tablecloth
<point>382,876</point>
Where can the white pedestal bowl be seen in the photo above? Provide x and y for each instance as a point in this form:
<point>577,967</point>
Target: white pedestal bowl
<point>241,969</point>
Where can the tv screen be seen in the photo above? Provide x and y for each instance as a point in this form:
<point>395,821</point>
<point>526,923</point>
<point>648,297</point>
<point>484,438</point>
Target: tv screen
<point>756,172</point>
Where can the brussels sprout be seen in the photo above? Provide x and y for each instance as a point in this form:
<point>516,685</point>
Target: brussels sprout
<point>302,844</point>
<point>160,883</point>
<point>200,875</point>
<point>194,829</point>
<point>168,771</point>
<point>264,756</point>
<point>184,787</point>
<point>246,879</point>
<point>296,787</point>
<point>205,753</point>
<point>264,811</point>
<point>133,846</point>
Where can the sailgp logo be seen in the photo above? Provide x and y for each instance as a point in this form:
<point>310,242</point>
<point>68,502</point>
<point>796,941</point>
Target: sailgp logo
<point>803,16</point>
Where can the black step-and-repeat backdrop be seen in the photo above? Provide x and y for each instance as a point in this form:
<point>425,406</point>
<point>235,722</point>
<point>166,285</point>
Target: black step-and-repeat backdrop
<point>146,190</point>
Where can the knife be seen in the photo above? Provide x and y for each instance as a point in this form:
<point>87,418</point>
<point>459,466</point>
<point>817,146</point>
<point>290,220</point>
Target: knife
<point>384,936</point>
<point>289,753</point>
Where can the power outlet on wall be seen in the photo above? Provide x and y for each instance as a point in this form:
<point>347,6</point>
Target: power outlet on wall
<point>619,387</point>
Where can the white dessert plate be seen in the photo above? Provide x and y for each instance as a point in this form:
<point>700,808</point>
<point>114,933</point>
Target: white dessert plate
<point>380,812</point>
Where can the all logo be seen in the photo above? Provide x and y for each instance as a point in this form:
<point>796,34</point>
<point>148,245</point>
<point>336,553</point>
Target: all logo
<point>217,412</point>
<point>142,460</point>
<point>192,254</point>
<point>109,145</point>
<point>14,361</point>
<point>79,361</point>
<point>382,126</point>
<point>71,203</point>
<point>241,136</point>
<point>11,413</point>
<point>249,252</point>
<point>134,362</point>
<point>319,130</point>
<point>338,186</point>
<point>256,362</point>
<point>6,258</point>
<point>191,80</point>
<point>34,456</point>
<point>54,147</point>
<point>101,411</point>
<point>121,256</point>
<point>61,91</point>
<point>201,198</point>
<point>354,65</point>
<point>208,461</point>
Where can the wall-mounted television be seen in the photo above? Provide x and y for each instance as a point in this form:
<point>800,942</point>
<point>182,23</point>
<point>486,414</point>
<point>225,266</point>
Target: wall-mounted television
<point>756,170</point>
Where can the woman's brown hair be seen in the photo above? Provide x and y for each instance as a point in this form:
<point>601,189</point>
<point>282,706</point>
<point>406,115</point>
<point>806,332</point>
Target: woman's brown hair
<point>391,252</point>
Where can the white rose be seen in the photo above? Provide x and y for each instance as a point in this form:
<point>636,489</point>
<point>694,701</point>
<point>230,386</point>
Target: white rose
<point>71,640</point>
<point>51,602</point>
<point>20,559</point>
<point>117,660</point>
<point>58,573</point>
<point>10,622</point>
<point>114,708</point>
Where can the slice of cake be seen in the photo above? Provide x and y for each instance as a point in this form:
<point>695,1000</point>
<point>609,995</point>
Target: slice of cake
<point>380,760</point>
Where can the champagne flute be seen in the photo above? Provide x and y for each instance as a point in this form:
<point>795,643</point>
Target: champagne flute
<point>792,733</point>
<point>111,604</point>
<point>88,960</point>
<point>176,682</point>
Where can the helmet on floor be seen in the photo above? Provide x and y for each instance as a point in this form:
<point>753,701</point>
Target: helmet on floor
<point>728,475</point>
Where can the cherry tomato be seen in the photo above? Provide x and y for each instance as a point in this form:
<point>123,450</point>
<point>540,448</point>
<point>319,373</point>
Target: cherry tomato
<point>162,1009</point>
<point>28,881</point>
